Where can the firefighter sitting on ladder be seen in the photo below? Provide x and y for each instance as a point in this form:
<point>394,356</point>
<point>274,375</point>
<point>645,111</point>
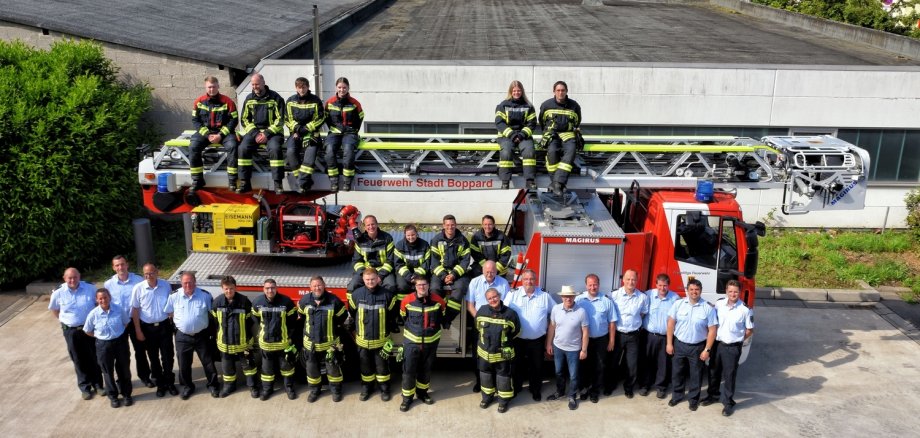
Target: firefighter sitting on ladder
<point>215,119</point>
<point>262,118</point>
<point>344,117</point>
<point>373,249</point>
<point>304,118</point>
<point>559,119</point>
<point>423,312</point>
<point>450,258</point>
<point>515,120</point>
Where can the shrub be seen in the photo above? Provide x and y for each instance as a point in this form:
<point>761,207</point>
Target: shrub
<point>912,201</point>
<point>68,133</point>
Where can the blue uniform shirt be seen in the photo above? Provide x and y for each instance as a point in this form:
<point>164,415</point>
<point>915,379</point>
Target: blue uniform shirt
<point>150,301</point>
<point>106,325</point>
<point>73,305</point>
<point>692,321</point>
<point>630,309</point>
<point>479,286</point>
<point>734,321</point>
<point>656,320</point>
<point>600,311</point>
<point>533,311</point>
<point>121,291</point>
<point>190,314</point>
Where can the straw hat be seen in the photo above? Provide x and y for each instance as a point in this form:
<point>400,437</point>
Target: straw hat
<point>568,291</point>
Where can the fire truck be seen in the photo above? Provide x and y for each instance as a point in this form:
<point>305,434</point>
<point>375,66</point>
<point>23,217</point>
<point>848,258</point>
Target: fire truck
<point>655,204</point>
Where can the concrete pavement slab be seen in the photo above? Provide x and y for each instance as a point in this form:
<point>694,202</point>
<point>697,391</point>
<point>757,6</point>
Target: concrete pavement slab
<point>811,372</point>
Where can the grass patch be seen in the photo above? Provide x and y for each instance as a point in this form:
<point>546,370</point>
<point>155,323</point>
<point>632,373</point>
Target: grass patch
<point>838,259</point>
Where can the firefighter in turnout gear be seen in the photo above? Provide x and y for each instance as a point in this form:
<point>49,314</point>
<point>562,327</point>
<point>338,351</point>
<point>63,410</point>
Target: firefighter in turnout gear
<point>516,119</point>
<point>423,313</point>
<point>498,325</point>
<point>234,336</point>
<point>373,249</point>
<point>560,118</point>
<point>411,257</point>
<point>344,117</point>
<point>450,258</point>
<point>275,314</point>
<point>262,118</point>
<point>490,244</point>
<point>324,315</point>
<point>304,118</point>
<point>215,119</point>
<point>372,310</point>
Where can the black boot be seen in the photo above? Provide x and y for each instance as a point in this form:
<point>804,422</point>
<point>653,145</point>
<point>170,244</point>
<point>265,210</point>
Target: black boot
<point>306,183</point>
<point>279,187</point>
<point>334,183</point>
<point>347,187</point>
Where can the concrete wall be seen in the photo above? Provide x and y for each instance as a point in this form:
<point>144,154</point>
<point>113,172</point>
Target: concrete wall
<point>644,94</point>
<point>176,81</point>
<point>649,94</point>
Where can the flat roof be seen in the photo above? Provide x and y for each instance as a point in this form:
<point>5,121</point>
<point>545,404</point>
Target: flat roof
<point>618,31</point>
<point>235,33</point>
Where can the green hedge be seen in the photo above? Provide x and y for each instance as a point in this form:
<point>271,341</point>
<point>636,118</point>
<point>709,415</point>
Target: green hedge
<point>68,180</point>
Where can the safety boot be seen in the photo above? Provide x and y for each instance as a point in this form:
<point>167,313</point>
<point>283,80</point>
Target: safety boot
<point>406,402</point>
<point>506,185</point>
<point>306,183</point>
<point>291,392</point>
<point>227,389</point>
<point>245,187</point>
<point>347,187</point>
<point>334,183</point>
<point>531,185</point>
<point>279,188</point>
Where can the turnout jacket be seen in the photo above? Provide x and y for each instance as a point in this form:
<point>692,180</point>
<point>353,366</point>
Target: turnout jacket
<point>449,254</point>
<point>265,112</point>
<point>412,258</point>
<point>373,311</point>
<point>321,321</point>
<point>275,320</point>
<point>234,326</point>
<point>496,330</point>
<point>344,115</point>
<point>423,316</point>
<point>496,247</point>
<point>560,118</point>
<point>215,114</point>
<point>304,115</point>
<point>376,252</point>
<point>515,115</point>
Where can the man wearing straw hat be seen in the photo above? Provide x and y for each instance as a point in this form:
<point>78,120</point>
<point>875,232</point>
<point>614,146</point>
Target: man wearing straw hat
<point>567,340</point>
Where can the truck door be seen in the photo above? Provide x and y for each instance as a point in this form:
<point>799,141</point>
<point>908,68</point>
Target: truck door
<point>705,248</point>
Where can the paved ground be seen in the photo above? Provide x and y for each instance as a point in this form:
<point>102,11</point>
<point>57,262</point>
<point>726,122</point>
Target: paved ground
<point>824,370</point>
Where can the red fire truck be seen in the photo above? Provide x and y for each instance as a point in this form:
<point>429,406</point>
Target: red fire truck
<point>653,204</point>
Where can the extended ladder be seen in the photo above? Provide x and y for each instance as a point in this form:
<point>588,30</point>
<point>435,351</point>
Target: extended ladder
<point>815,172</point>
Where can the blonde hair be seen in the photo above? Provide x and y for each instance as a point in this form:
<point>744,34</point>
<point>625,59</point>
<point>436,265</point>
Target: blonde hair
<point>517,84</point>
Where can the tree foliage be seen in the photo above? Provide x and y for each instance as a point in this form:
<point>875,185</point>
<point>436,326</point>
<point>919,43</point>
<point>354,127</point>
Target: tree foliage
<point>68,182</point>
<point>900,18</point>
